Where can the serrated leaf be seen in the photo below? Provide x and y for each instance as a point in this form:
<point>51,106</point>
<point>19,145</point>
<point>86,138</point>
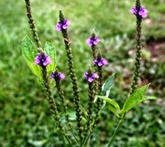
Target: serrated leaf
<point>51,52</point>
<point>28,49</point>
<point>136,98</point>
<point>29,53</point>
<point>108,85</point>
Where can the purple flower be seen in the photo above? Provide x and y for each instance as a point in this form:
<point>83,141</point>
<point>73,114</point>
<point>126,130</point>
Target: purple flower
<point>100,62</point>
<point>92,41</point>
<point>57,75</point>
<point>62,25</point>
<point>142,12</point>
<point>42,59</point>
<point>90,76</point>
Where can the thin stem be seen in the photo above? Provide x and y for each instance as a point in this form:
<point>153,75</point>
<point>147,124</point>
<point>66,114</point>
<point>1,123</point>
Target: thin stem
<point>90,119</point>
<point>52,103</point>
<point>116,130</point>
<point>63,103</point>
<point>138,50</point>
<point>32,24</point>
<point>74,79</point>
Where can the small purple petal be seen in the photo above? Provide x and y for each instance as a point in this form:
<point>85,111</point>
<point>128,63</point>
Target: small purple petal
<point>94,75</point>
<point>86,75</point>
<point>133,11</point>
<point>58,27</point>
<point>61,76</point>
<point>90,79</point>
<point>88,41</point>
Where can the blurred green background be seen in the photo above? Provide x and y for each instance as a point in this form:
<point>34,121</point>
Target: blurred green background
<point>25,120</point>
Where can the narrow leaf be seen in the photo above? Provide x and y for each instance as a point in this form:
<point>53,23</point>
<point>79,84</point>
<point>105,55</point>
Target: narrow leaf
<point>108,85</point>
<point>112,105</point>
<point>136,98</point>
<point>114,110</point>
<point>110,101</point>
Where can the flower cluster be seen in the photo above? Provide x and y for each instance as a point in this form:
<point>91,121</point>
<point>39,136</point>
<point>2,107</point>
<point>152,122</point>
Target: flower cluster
<point>62,25</point>
<point>142,12</point>
<point>92,41</point>
<point>42,59</point>
<point>100,62</point>
<point>90,76</point>
<point>57,75</point>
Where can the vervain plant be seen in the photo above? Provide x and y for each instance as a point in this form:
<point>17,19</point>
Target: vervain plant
<point>42,62</point>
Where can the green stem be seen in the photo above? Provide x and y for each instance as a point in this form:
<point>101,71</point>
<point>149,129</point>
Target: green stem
<point>52,104</point>
<point>90,109</point>
<point>63,103</point>
<point>32,24</point>
<point>138,50</point>
<point>116,130</point>
<point>74,80</point>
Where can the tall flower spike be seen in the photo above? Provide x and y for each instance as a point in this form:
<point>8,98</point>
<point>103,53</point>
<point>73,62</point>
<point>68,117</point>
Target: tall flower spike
<point>57,76</point>
<point>73,78</point>
<point>90,77</point>
<point>32,24</point>
<point>43,60</point>
<point>138,48</point>
<point>52,103</point>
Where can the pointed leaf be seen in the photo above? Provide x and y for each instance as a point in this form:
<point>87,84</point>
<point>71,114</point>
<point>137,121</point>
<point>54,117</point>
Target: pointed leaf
<point>112,105</point>
<point>149,98</point>
<point>108,85</point>
<point>51,52</point>
<point>110,101</point>
<point>114,110</point>
<point>136,98</point>
<point>29,53</point>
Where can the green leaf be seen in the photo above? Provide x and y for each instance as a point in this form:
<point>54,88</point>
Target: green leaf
<point>51,52</point>
<point>136,98</point>
<point>29,53</point>
<point>113,105</point>
<point>37,143</point>
<point>110,101</point>
<point>114,110</point>
<point>108,85</point>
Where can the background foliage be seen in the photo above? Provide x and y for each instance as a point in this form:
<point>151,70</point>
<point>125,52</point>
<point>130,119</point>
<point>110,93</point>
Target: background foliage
<point>25,118</point>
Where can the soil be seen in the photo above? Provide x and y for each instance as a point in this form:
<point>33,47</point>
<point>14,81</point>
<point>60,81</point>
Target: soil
<point>157,50</point>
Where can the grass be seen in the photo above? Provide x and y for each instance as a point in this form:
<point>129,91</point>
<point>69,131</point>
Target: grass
<point>25,117</point>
